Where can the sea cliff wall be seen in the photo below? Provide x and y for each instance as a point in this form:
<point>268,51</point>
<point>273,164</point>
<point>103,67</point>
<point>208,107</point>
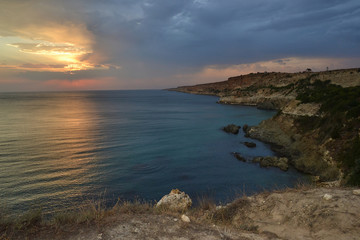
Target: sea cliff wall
<point>317,125</point>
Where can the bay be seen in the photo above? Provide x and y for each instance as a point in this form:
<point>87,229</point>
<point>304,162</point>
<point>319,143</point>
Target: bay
<point>59,149</point>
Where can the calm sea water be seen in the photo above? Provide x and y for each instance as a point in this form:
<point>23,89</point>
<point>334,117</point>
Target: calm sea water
<point>59,149</point>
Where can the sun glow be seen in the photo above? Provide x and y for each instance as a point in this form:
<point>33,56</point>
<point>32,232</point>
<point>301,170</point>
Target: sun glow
<point>67,54</point>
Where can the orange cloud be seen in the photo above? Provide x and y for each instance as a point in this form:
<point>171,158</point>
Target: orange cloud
<point>51,46</point>
<point>69,33</point>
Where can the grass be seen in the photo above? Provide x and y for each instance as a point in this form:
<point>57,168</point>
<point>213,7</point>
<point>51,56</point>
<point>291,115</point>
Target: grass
<point>30,223</point>
<point>95,215</point>
<point>350,161</point>
<point>92,212</point>
<point>334,99</point>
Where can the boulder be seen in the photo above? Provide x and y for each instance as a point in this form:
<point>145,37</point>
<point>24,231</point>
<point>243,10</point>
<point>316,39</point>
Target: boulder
<point>245,128</point>
<point>356,192</point>
<point>231,128</point>
<point>185,218</point>
<point>239,157</point>
<point>327,197</point>
<point>176,201</point>
<point>250,144</point>
<point>282,162</point>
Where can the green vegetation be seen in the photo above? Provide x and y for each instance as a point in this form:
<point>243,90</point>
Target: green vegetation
<point>340,108</point>
<point>334,99</point>
<point>350,160</point>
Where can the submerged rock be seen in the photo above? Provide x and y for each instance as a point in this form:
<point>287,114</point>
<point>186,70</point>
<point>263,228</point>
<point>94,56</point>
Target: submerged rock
<point>239,157</point>
<point>282,162</point>
<point>250,144</point>
<point>175,200</point>
<point>232,128</point>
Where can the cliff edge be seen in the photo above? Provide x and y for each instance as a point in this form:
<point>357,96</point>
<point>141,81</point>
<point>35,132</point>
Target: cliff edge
<point>317,125</point>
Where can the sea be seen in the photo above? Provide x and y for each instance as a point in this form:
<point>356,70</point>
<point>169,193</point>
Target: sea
<point>61,149</point>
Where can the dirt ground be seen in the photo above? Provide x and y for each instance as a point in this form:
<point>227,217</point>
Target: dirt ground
<point>316,213</point>
<point>162,227</point>
<point>320,213</point>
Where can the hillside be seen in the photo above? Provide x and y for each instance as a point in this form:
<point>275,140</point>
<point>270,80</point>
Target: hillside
<point>317,126</point>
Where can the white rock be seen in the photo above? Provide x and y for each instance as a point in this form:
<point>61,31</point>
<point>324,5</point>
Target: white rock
<point>175,200</point>
<point>185,218</point>
<point>219,207</point>
<point>356,192</point>
<point>327,196</point>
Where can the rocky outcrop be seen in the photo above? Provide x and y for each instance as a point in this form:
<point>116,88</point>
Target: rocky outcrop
<point>239,157</point>
<point>250,144</point>
<point>231,128</point>
<point>175,201</point>
<point>302,150</point>
<point>296,108</point>
<point>319,213</point>
<point>307,129</point>
<point>280,162</point>
<point>245,128</point>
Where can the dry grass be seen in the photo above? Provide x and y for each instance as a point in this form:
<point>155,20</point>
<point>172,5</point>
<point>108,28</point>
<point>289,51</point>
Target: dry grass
<point>93,212</point>
<point>29,223</point>
<point>97,214</point>
<point>206,203</point>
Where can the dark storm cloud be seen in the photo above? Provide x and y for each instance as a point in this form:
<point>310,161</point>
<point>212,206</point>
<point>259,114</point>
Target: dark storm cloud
<point>201,33</point>
<point>152,39</point>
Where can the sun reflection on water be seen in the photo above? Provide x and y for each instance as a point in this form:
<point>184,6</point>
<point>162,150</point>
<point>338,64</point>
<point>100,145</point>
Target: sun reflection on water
<point>56,151</point>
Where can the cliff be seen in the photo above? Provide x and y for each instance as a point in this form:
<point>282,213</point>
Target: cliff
<point>317,126</point>
<point>302,213</point>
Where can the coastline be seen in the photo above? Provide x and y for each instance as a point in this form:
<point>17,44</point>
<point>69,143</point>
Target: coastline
<point>297,131</point>
<point>270,132</point>
<point>326,211</point>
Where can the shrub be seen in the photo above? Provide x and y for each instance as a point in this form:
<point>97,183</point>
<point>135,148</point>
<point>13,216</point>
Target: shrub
<point>350,160</point>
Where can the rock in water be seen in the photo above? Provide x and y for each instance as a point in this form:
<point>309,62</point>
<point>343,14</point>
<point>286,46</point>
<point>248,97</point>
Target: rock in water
<point>250,144</point>
<point>245,128</point>
<point>239,157</point>
<point>175,200</point>
<point>282,162</point>
<point>232,128</point>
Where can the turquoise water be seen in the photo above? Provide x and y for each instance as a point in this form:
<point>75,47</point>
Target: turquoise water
<point>58,149</point>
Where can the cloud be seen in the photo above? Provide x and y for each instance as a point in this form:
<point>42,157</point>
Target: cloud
<point>155,41</point>
<point>49,48</point>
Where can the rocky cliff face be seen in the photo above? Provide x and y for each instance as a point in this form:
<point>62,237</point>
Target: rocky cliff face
<point>317,122</point>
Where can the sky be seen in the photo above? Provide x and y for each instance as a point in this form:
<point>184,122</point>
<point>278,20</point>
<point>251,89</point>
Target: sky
<point>57,45</point>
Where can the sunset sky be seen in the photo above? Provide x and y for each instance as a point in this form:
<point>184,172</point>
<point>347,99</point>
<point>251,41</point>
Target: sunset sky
<point>152,44</point>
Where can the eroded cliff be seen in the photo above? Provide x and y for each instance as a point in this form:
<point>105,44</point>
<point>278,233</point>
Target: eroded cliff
<point>317,126</point>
